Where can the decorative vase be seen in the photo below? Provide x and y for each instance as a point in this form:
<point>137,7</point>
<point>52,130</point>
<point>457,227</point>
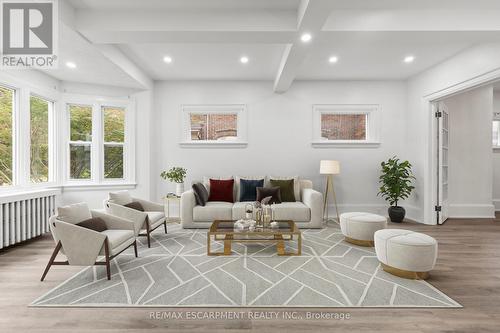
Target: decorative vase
<point>179,189</point>
<point>397,213</point>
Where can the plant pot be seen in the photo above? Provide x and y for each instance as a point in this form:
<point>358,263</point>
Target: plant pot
<point>179,189</point>
<point>397,214</point>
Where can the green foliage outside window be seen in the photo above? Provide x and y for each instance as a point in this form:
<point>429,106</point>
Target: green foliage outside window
<point>6,97</point>
<point>39,125</point>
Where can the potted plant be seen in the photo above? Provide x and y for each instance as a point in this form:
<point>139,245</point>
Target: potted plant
<point>175,175</point>
<point>396,184</point>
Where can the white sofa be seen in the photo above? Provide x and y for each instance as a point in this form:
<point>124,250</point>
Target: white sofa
<point>306,212</point>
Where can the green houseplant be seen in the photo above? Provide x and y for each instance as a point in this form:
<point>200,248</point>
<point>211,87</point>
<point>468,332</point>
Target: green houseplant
<point>395,185</point>
<point>175,175</point>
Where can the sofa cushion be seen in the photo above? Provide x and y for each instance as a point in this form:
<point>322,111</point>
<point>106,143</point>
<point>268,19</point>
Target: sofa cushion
<point>273,192</point>
<point>74,213</point>
<point>221,190</point>
<point>200,194</point>
<point>120,197</point>
<point>296,184</point>
<point>213,210</point>
<point>237,182</point>
<point>117,237</point>
<point>239,210</point>
<point>295,211</point>
<point>286,189</point>
<point>248,189</point>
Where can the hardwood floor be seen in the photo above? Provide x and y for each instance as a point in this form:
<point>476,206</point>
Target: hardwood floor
<point>468,270</point>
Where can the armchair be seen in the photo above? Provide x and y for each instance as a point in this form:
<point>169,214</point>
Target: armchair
<point>145,222</point>
<point>83,246</point>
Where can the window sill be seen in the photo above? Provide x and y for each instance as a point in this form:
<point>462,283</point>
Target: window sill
<point>70,187</point>
<point>345,144</point>
<point>214,144</point>
<point>496,149</point>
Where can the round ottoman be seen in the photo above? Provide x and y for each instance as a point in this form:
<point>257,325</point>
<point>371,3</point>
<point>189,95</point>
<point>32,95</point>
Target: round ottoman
<point>358,228</point>
<point>405,253</point>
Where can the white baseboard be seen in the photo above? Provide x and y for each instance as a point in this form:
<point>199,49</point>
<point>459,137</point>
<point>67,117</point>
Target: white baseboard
<point>496,203</point>
<point>471,211</point>
<point>412,213</point>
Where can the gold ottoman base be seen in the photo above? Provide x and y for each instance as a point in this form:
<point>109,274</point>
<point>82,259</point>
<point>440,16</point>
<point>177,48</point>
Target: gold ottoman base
<point>405,274</point>
<point>367,243</point>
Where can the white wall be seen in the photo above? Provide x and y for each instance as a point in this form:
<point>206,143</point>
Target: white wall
<point>470,157</point>
<point>496,159</point>
<point>472,64</point>
<point>280,134</point>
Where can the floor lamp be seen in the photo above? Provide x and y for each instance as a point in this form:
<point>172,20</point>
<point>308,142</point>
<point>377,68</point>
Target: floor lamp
<point>329,168</point>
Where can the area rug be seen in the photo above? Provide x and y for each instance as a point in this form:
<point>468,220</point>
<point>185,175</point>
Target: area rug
<point>176,272</point>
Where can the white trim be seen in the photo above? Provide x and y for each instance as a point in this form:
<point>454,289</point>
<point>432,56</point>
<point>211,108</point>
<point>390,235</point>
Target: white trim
<point>344,144</point>
<point>496,204</point>
<point>471,211</point>
<point>242,122</point>
<point>429,173</point>
<point>97,144</point>
<point>372,112</point>
<point>74,187</point>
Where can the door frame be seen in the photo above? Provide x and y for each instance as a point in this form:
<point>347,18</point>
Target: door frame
<point>430,168</point>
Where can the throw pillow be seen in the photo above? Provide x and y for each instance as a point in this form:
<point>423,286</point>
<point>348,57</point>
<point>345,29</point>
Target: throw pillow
<point>286,189</point>
<point>74,213</point>
<point>95,223</point>
<point>248,189</point>
<point>135,205</point>
<point>221,190</point>
<point>120,197</point>
<point>296,184</point>
<point>200,194</point>
<point>273,192</point>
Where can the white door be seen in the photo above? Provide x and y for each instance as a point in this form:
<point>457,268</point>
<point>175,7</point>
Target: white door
<point>442,207</point>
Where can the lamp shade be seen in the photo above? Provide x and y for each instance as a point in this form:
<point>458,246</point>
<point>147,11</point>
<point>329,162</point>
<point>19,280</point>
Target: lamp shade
<point>328,167</point>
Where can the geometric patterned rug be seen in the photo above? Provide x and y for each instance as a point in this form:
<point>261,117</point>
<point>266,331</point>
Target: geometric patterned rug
<point>176,272</point>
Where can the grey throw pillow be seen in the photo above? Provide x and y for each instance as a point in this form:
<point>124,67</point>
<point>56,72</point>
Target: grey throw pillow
<point>200,194</point>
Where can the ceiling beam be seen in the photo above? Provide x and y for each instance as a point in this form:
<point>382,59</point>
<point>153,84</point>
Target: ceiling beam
<point>67,15</point>
<point>311,17</point>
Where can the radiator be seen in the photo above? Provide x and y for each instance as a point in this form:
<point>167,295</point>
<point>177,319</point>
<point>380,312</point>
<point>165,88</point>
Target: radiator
<point>25,215</point>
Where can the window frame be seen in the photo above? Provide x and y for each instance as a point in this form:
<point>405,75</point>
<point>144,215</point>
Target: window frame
<point>21,133</point>
<point>97,179</point>
<point>372,112</point>
<point>238,109</point>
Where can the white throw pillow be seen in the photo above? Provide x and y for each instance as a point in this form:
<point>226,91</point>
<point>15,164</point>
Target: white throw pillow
<point>120,197</point>
<point>296,185</point>
<point>74,213</point>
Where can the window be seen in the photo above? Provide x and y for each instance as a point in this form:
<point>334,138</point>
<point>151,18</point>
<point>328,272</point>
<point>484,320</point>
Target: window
<point>6,135</point>
<point>114,138</point>
<point>39,136</point>
<point>345,125</point>
<point>496,133</point>
<point>214,125</point>
<point>80,142</point>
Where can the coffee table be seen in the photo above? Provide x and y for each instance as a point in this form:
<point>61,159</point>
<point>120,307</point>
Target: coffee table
<point>222,230</point>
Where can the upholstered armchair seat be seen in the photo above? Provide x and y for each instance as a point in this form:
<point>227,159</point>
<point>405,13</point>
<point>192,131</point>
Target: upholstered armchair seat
<point>145,221</point>
<point>83,246</point>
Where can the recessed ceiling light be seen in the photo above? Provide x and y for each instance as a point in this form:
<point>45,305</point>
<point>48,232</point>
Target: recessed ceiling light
<point>305,37</point>
<point>70,64</point>
<point>244,60</point>
<point>333,59</point>
<point>167,59</point>
<point>409,59</point>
